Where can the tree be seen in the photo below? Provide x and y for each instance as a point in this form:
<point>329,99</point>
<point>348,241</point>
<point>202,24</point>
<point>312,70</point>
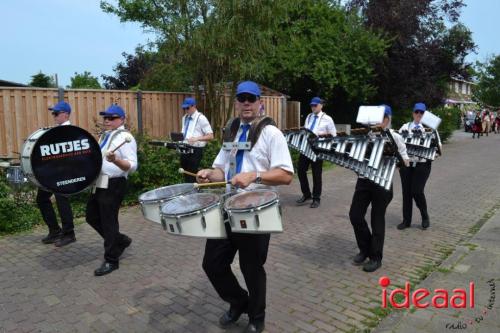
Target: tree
<point>321,49</point>
<point>487,91</point>
<point>84,80</point>
<point>424,53</point>
<point>129,74</point>
<point>214,41</point>
<point>41,80</point>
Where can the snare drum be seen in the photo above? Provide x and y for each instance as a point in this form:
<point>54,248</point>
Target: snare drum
<point>194,215</point>
<point>151,201</point>
<point>255,212</point>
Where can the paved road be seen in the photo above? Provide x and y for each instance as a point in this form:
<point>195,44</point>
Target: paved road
<point>312,286</point>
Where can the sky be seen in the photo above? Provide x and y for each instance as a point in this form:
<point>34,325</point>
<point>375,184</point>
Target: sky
<point>68,36</point>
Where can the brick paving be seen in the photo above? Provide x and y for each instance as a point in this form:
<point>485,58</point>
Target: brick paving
<point>312,285</point>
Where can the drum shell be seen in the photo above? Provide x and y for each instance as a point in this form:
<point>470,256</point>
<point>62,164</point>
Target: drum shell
<point>151,208</point>
<point>260,220</point>
<point>191,225</point>
<point>26,151</point>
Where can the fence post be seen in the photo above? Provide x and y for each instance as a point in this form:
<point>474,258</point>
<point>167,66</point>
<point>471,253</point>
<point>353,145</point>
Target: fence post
<point>284,116</point>
<point>139,112</point>
<point>60,94</point>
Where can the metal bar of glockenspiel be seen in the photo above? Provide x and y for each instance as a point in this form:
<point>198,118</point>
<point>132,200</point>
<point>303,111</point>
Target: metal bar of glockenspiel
<point>380,151</point>
<point>386,171</point>
<point>391,175</point>
<point>373,154</point>
<point>362,153</point>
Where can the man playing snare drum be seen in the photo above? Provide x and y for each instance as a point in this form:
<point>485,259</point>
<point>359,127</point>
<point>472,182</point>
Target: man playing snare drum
<point>268,163</point>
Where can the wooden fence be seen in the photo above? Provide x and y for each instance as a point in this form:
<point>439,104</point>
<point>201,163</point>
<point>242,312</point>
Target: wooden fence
<point>23,110</point>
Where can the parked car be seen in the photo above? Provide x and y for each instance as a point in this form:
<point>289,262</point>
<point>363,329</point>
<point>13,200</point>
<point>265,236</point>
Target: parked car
<point>469,121</point>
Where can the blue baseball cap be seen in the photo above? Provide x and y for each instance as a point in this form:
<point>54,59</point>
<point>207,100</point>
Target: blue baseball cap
<point>420,107</point>
<point>61,107</point>
<point>113,110</point>
<point>387,110</point>
<point>316,101</point>
<point>248,87</point>
<point>190,101</point>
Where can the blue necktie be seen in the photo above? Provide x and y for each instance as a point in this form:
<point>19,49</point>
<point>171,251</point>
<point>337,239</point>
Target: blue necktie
<point>314,122</point>
<point>106,137</point>
<point>417,126</point>
<point>239,154</point>
<point>186,125</point>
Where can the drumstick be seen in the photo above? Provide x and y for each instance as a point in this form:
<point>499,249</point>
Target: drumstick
<point>127,140</point>
<point>197,185</point>
<point>181,170</point>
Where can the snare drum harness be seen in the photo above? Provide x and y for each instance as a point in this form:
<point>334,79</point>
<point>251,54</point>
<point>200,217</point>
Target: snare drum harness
<point>229,134</point>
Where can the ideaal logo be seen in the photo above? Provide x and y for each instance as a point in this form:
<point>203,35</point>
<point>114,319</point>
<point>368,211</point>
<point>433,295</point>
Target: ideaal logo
<point>440,298</point>
<point>461,298</point>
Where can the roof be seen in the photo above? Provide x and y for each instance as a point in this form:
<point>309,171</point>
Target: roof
<point>4,83</point>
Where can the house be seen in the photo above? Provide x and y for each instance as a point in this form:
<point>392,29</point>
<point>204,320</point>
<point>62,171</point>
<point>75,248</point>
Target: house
<point>460,94</point>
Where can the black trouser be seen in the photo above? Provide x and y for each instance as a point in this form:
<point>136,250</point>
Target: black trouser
<point>49,215</point>
<point>102,214</point>
<point>219,254</point>
<point>369,243</point>
<point>317,169</point>
<point>191,163</point>
<point>413,180</point>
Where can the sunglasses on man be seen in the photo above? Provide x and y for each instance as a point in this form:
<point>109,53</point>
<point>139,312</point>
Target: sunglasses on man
<point>55,114</point>
<point>419,111</point>
<point>246,97</point>
<point>110,118</point>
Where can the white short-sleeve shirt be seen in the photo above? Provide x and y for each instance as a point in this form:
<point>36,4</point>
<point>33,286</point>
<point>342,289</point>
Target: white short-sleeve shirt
<point>198,126</point>
<point>126,152</point>
<point>324,124</point>
<point>269,152</point>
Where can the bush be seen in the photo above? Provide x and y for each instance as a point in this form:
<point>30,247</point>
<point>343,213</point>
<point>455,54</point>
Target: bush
<point>17,211</point>
<point>159,167</point>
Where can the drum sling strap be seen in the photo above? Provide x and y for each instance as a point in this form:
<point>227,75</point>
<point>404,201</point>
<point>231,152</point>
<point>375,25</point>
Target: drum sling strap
<point>229,134</point>
<point>102,180</point>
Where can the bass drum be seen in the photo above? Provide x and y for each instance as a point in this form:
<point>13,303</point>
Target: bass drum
<point>62,159</point>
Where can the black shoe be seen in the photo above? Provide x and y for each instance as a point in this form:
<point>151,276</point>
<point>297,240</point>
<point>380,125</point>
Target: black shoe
<point>359,258</point>
<point>403,226</point>
<point>303,199</point>
<point>315,203</point>
<point>372,265</point>
<point>231,316</point>
<point>105,268</point>
<point>65,240</point>
<point>255,326</point>
<point>425,224</point>
<point>52,237</point>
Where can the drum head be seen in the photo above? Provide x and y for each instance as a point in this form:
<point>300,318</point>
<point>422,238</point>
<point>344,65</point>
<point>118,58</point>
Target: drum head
<point>166,192</point>
<point>251,199</point>
<point>66,159</point>
<point>190,203</point>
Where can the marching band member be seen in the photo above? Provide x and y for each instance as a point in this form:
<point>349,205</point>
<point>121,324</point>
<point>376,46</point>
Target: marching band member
<point>371,244</point>
<point>120,151</point>
<point>321,124</point>
<point>57,235</point>
<point>269,163</point>
<point>414,177</point>
<point>197,132</point>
